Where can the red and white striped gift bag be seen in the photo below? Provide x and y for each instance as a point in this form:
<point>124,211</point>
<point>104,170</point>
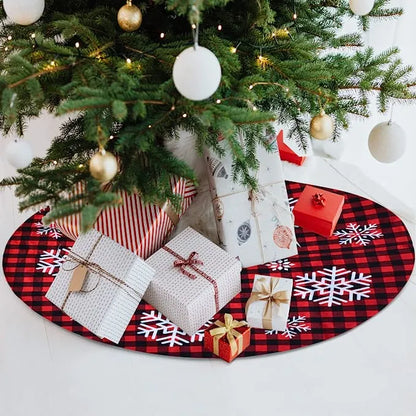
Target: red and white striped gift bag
<point>141,228</point>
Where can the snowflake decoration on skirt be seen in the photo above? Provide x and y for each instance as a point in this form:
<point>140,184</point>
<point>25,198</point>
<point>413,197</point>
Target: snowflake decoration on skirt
<point>359,235</point>
<point>48,230</point>
<point>280,265</point>
<point>295,325</point>
<point>333,286</point>
<point>50,261</point>
<point>154,325</point>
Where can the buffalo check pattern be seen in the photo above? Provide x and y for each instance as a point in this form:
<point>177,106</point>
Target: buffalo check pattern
<point>389,260</point>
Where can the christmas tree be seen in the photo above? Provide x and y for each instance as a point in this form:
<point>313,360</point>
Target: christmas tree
<point>280,60</point>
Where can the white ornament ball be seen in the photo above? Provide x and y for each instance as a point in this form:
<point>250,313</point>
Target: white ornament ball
<point>19,154</point>
<point>24,12</point>
<point>387,142</point>
<point>196,73</point>
<point>361,7</point>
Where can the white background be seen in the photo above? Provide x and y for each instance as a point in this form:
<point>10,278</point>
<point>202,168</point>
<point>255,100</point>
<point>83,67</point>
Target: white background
<point>370,370</point>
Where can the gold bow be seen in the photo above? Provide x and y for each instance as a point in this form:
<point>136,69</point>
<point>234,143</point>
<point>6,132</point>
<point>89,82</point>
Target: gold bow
<point>235,338</point>
<point>267,293</point>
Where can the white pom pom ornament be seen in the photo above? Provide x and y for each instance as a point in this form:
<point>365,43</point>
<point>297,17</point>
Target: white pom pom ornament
<point>196,73</point>
<point>19,154</point>
<point>24,12</point>
<point>387,142</point>
<point>361,7</point>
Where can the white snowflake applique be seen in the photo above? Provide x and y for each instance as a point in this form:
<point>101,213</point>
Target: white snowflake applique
<point>360,235</point>
<point>280,265</point>
<point>50,261</point>
<point>333,286</point>
<point>295,325</point>
<point>292,202</point>
<point>153,325</point>
<point>50,230</point>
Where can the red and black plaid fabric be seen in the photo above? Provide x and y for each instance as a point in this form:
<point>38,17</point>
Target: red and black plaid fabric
<point>370,260</point>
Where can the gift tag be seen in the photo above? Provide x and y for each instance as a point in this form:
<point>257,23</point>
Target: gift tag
<point>78,278</point>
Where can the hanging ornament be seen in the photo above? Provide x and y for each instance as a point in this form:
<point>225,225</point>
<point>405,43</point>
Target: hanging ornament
<point>361,7</point>
<point>129,17</point>
<point>24,12</point>
<point>282,236</point>
<point>103,166</point>
<point>196,73</point>
<point>19,154</point>
<point>322,126</point>
<point>387,142</point>
<point>243,232</point>
<point>217,168</point>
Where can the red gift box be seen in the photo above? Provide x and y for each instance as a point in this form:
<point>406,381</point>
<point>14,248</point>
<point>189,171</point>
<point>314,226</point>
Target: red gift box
<point>227,338</point>
<point>286,153</point>
<point>318,210</point>
<point>141,228</point>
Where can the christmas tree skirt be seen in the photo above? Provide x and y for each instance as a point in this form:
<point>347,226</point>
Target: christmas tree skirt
<point>338,283</point>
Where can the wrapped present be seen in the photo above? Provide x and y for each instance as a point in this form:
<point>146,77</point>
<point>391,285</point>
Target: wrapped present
<point>194,280</point>
<point>140,227</point>
<point>227,338</point>
<point>318,210</point>
<point>257,226</point>
<point>100,285</point>
<point>269,303</point>
<point>288,150</point>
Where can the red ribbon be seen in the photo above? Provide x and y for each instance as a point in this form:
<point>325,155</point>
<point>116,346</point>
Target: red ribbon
<point>191,262</point>
<point>318,200</point>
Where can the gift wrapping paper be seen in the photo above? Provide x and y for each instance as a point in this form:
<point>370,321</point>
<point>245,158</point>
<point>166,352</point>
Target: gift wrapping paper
<point>190,296</point>
<point>108,298</point>
<point>279,310</point>
<point>320,218</point>
<point>142,228</point>
<point>255,226</point>
<point>222,334</point>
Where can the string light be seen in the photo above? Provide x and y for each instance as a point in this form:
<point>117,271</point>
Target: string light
<point>149,126</point>
<point>295,16</point>
<point>111,137</point>
<point>172,108</point>
<point>233,49</point>
<point>55,162</point>
<point>128,61</point>
<point>219,27</point>
<point>218,101</point>
<point>9,37</point>
<point>53,63</point>
<point>251,87</point>
<point>80,166</point>
<point>162,35</point>
<point>6,48</point>
<point>77,45</point>
<point>193,26</point>
<point>255,108</point>
<point>184,115</point>
<point>33,35</point>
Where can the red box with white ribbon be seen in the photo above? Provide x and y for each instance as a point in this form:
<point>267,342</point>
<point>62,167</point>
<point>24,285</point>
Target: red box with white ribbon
<point>318,210</point>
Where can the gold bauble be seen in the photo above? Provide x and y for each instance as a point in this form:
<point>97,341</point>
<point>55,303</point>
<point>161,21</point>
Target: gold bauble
<point>103,166</point>
<point>129,17</point>
<point>322,126</point>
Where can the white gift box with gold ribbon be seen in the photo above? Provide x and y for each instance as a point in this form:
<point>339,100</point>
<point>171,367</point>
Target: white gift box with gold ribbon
<point>255,226</point>
<point>100,285</point>
<point>269,304</point>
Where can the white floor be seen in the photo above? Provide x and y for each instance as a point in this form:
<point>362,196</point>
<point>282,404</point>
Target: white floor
<point>369,371</point>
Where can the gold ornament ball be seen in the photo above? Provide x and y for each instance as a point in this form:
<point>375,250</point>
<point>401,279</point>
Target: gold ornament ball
<point>322,126</point>
<point>129,17</point>
<point>103,166</point>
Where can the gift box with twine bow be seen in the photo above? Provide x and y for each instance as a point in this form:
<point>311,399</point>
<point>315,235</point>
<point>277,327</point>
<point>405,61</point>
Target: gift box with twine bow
<point>100,285</point>
<point>269,303</point>
<point>194,280</point>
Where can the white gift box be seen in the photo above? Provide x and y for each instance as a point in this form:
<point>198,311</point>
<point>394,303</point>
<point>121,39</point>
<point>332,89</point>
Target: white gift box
<point>257,227</point>
<point>269,304</point>
<point>100,285</point>
<point>194,279</point>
